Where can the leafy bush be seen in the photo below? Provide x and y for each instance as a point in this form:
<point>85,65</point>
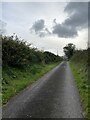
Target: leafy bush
<point>14,52</point>
<point>17,53</point>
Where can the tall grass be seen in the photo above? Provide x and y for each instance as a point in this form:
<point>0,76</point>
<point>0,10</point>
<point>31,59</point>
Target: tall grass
<point>15,80</point>
<point>79,65</point>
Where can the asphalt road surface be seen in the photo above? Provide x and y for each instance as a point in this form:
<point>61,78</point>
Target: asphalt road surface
<point>53,96</point>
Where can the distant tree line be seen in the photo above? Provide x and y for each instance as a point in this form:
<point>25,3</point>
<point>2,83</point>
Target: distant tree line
<point>18,53</point>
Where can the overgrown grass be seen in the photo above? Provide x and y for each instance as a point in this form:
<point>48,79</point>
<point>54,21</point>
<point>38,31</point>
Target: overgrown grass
<point>15,80</point>
<point>81,77</point>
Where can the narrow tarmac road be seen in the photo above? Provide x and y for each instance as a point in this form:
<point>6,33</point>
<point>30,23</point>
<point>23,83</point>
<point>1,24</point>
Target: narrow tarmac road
<point>53,96</point>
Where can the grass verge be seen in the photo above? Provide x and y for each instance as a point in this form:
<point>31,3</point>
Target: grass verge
<point>15,80</point>
<point>81,78</point>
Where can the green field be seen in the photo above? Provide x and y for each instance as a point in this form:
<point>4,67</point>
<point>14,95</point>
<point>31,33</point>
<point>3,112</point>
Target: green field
<point>15,80</point>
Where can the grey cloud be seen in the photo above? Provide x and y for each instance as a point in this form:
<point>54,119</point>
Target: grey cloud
<point>77,19</point>
<point>38,25</point>
<point>76,6</point>
<point>79,14</point>
<point>47,31</point>
<point>44,32</point>
<point>54,20</point>
<point>64,31</point>
<point>40,29</point>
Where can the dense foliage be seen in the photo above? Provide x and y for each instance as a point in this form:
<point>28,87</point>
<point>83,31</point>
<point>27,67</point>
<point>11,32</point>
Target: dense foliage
<point>80,59</point>
<point>81,56</point>
<point>18,53</point>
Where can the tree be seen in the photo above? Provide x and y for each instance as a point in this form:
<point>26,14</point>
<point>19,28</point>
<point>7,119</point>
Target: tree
<point>69,50</point>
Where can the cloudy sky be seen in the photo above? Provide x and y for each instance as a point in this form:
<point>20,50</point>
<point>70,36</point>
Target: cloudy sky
<point>47,25</point>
